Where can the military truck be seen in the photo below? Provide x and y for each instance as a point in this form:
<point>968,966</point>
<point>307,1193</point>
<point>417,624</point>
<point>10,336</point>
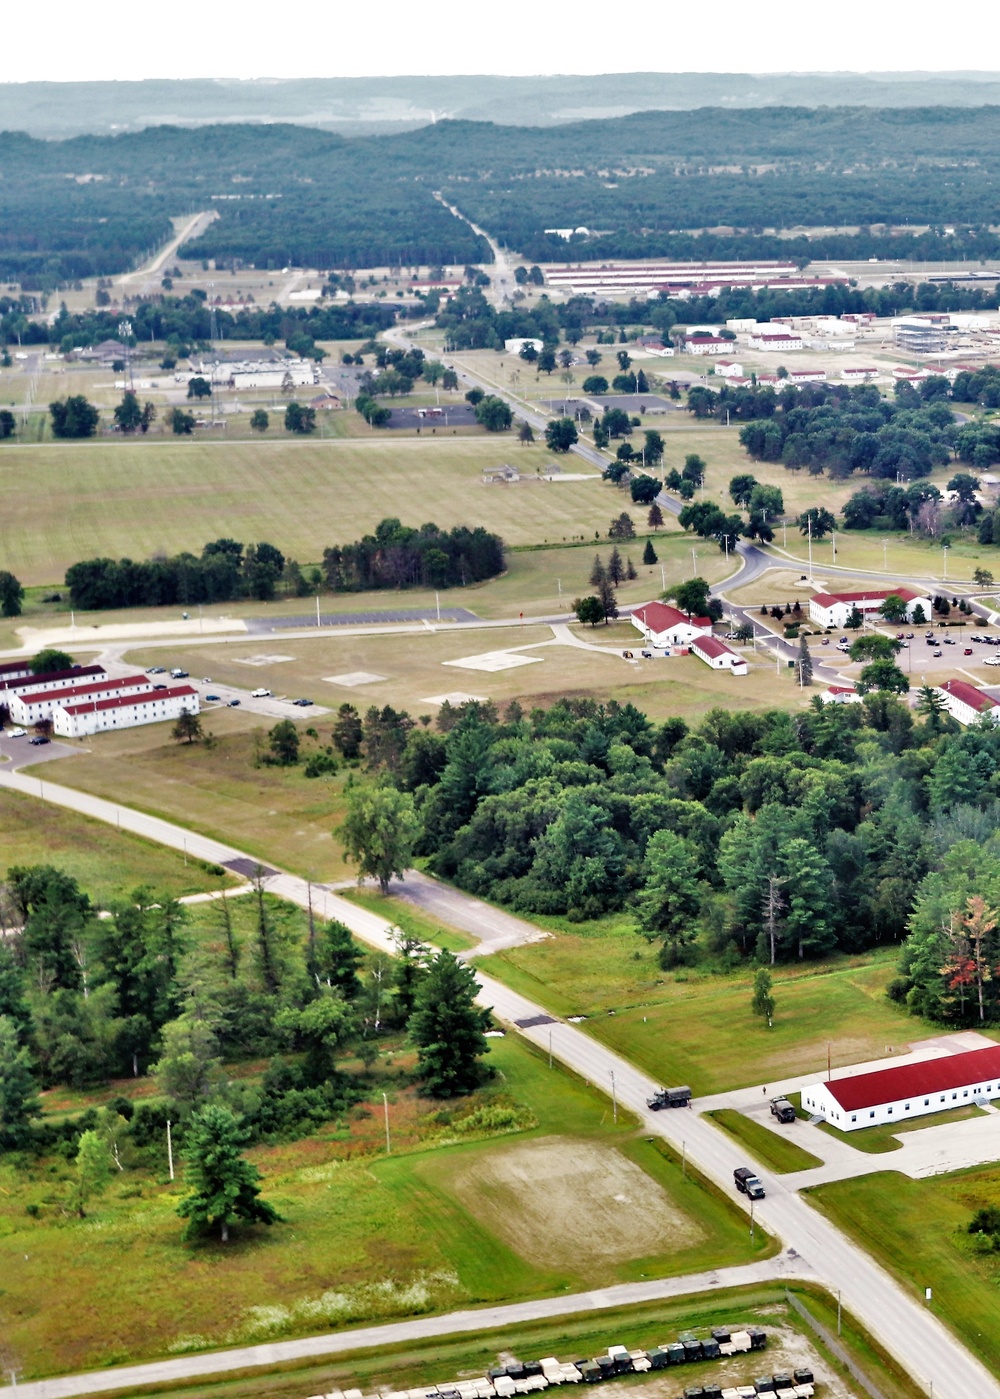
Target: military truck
<point>782,1109</point>
<point>669,1098</point>
<point>747,1183</point>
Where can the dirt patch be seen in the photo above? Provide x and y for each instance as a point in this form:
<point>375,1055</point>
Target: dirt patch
<point>572,1203</point>
<point>787,1350</point>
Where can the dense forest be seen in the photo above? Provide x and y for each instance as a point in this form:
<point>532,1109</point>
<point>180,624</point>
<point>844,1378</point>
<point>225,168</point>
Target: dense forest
<point>291,194</point>
<point>398,556</point>
<point>763,835</point>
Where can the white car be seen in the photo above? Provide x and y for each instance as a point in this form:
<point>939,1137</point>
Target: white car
<point>22,733</point>
<point>992,660</point>
<point>260,694</point>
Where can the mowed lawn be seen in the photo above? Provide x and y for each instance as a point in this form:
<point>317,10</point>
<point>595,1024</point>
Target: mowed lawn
<point>696,1027</point>
<point>108,864</point>
<point>364,1235</point>
<point>70,501</point>
<point>918,1230</point>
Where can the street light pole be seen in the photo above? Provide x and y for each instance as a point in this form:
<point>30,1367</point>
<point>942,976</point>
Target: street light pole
<point>614,1098</point>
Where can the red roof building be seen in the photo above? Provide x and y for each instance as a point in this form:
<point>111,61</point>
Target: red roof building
<point>79,719</point>
<point>907,1090</point>
<point>966,703</point>
<point>718,655</point>
<point>665,626</point>
<point>833,609</point>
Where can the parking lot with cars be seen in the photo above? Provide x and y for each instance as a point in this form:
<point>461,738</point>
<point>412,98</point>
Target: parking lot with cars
<point>213,694</point>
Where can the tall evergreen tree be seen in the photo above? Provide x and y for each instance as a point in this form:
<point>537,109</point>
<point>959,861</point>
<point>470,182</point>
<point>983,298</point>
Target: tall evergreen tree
<point>334,959</point>
<point>224,1187</point>
<point>18,1103</point>
<point>447,1027</point>
<point>804,663</point>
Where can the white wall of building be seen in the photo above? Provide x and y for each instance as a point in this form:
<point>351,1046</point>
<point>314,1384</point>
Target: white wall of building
<point>817,1099</point>
<point>79,721</point>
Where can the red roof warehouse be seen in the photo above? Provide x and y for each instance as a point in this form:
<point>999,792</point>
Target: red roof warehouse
<point>907,1090</point>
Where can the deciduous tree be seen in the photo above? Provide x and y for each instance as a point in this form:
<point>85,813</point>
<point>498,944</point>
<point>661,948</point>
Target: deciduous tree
<point>379,832</point>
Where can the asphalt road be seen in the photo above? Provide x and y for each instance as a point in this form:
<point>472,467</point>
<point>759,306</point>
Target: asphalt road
<point>903,1325</point>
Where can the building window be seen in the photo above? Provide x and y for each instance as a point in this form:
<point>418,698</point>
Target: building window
<point>954,1096</point>
<point>854,1117</point>
<point>927,1102</point>
<point>907,1107</point>
<point>871,1114</point>
<point>890,1109</point>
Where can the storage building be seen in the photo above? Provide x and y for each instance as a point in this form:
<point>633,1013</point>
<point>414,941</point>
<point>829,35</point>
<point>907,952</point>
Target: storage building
<point>718,655</point>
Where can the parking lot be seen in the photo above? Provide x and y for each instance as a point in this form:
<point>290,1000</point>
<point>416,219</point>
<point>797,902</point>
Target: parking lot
<point>934,655</point>
<point>258,699</point>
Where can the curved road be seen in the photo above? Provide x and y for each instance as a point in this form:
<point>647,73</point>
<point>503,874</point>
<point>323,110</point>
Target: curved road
<point>921,1344</point>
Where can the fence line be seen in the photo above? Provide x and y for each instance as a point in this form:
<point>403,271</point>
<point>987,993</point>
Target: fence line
<point>833,1345</point>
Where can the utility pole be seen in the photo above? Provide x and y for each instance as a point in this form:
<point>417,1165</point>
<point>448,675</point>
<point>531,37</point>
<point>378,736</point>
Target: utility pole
<point>170,1151</point>
<point>388,1143</point>
<point>809,522</point>
<point>614,1098</point>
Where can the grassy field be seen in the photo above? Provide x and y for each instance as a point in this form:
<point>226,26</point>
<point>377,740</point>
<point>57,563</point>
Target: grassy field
<point>695,1026</point>
<point>778,1152</point>
<point>108,864</point>
<point>917,1230</point>
<point>364,1235</point>
<point>275,814</point>
<point>302,496</point>
<point>906,554</point>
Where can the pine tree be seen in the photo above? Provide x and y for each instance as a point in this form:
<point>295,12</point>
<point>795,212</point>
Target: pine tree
<point>223,1185</point>
<point>447,1027</point>
<point>630,572</point>
<point>335,960</point>
<point>598,573</point>
<point>18,1103</point>
<point>649,553</point>
<point>616,569</point>
<point>804,663</point>
<point>608,601</point>
<point>655,517</point>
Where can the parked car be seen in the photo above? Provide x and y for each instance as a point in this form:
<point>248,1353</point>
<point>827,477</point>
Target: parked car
<point>213,697</point>
<point>234,704</point>
<point>155,670</point>
<point>160,687</point>
<point>178,674</point>
<point>967,651</point>
<point>302,703</point>
<point>747,1183</point>
<point>938,652</point>
<point>39,738</point>
<point>992,660</point>
<point>18,733</point>
<point>260,693</point>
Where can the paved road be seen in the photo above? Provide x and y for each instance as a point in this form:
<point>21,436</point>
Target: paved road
<point>784,1267</point>
<point>20,753</point>
<point>909,1331</point>
<point>493,928</point>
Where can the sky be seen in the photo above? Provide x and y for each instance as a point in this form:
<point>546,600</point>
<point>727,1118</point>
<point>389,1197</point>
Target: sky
<point>81,39</point>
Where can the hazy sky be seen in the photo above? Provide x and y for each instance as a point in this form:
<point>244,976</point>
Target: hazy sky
<point>79,39</point>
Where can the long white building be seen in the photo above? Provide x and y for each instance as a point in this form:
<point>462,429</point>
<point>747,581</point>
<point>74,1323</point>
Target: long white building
<point>909,1090</point>
<point>54,680</point>
<point>664,626</point>
<point>34,704</point>
<point>967,703</point>
<point>833,609</point>
<point>84,717</point>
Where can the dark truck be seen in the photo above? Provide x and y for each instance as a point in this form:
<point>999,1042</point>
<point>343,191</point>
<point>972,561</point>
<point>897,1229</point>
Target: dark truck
<point>747,1183</point>
<point>669,1098</point>
<point>782,1109</point>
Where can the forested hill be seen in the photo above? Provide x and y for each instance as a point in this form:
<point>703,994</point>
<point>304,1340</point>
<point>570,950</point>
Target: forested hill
<point>288,193</point>
<point>355,105</point>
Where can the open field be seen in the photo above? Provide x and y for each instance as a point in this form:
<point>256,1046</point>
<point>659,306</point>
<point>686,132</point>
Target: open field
<point>364,1235</point>
<point>902,554</point>
<point>419,665</point>
<point>273,813</point>
<point>108,864</point>
<point>302,496</point>
<point>695,1026</point>
<point>917,1230</point>
<point>537,581</point>
<point>790,1344</point>
<point>773,1148</point>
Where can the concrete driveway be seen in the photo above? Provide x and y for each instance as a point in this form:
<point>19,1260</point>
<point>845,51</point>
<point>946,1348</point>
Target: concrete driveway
<point>494,929</point>
<point>21,753</point>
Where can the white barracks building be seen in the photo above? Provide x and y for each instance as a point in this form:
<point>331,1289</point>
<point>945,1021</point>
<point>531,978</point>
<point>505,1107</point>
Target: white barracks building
<point>907,1091</point>
<point>77,718</point>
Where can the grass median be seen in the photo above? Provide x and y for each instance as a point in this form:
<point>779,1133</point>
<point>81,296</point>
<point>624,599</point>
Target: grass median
<point>768,1147</point>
